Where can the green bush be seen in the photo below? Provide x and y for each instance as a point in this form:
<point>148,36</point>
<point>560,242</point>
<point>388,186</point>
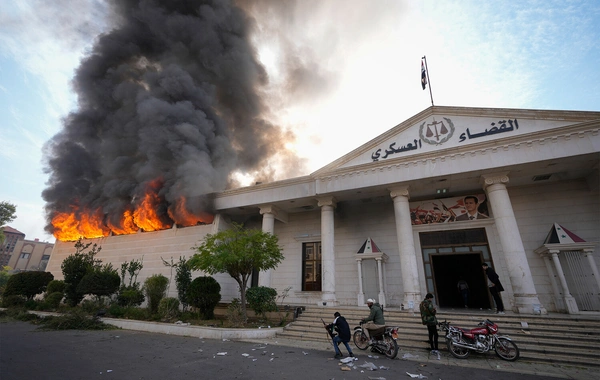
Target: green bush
<point>137,313</point>
<point>155,288</point>
<point>52,300</point>
<point>27,284</point>
<point>116,311</point>
<point>261,299</point>
<point>130,296</point>
<point>100,282</point>
<point>168,308</point>
<point>75,267</point>
<point>55,286</point>
<point>13,301</point>
<point>205,293</point>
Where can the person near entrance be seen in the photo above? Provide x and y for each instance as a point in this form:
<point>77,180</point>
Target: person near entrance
<point>495,287</point>
<point>375,319</point>
<point>340,325</point>
<point>429,319</point>
<point>463,289</point>
<point>471,203</point>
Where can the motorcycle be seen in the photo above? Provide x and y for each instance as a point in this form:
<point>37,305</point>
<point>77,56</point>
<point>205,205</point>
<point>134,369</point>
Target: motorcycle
<point>482,339</point>
<point>384,340</point>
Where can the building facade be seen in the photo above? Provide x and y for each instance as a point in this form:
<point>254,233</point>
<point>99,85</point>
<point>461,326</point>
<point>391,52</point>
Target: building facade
<point>416,209</point>
<point>12,237</point>
<point>31,255</point>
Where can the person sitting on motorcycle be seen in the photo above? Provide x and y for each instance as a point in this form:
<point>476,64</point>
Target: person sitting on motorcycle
<point>375,319</point>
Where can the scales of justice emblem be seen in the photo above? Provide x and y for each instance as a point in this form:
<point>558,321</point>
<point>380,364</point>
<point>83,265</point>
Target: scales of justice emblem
<point>437,132</point>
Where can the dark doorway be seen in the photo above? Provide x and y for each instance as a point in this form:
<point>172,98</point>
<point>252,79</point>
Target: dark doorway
<point>447,270</point>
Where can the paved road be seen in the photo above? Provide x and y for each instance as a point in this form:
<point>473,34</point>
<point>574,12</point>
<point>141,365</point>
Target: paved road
<point>28,353</point>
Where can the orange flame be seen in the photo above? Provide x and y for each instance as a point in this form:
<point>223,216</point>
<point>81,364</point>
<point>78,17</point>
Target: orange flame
<point>179,213</point>
<point>145,215</point>
<point>127,225</point>
<point>67,226</point>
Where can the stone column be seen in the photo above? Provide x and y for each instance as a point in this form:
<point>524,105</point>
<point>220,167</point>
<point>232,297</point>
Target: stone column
<point>512,245</point>
<point>406,246</point>
<point>361,293</point>
<point>380,277</point>
<point>589,253</point>
<point>328,251</point>
<point>268,225</point>
<point>560,303</point>
<point>569,300</point>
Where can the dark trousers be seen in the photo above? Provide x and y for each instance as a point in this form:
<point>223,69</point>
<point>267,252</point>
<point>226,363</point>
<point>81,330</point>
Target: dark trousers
<point>433,336</point>
<point>497,298</point>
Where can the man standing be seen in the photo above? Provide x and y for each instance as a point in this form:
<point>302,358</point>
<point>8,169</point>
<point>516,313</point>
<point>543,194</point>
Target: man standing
<point>471,203</point>
<point>343,334</point>
<point>495,287</point>
<point>429,319</point>
<point>375,319</point>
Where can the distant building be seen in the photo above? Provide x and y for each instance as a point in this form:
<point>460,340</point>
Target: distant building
<point>30,255</point>
<point>12,236</point>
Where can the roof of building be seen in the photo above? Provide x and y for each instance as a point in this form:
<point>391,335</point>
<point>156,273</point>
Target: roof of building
<point>10,230</point>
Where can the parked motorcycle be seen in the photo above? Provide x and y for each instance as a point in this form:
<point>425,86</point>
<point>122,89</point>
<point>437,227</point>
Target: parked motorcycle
<point>384,340</point>
<point>482,339</point>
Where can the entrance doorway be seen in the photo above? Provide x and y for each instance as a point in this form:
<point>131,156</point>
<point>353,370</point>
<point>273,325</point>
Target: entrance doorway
<point>449,269</point>
<point>450,255</point>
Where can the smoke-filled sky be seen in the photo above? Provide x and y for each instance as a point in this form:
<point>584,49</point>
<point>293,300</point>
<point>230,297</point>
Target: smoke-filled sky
<point>272,90</point>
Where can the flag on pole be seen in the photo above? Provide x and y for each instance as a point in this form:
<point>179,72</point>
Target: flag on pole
<point>423,75</point>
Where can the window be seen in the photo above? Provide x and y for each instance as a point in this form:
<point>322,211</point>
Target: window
<point>311,266</point>
<point>46,257</point>
<point>24,255</point>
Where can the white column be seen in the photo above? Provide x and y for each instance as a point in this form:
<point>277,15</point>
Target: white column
<point>268,225</point>
<point>406,246</point>
<point>558,300</point>
<point>361,293</point>
<point>569,300</point>
<point>328,251</point>
<point>589,253</point>
<point>380,277</point>
<point>512,245</point>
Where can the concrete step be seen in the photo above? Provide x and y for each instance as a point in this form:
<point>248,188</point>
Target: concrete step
<point>554,339</point>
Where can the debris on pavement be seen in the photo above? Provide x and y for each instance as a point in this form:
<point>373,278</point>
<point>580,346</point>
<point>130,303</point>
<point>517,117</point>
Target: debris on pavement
<point>419,376</point>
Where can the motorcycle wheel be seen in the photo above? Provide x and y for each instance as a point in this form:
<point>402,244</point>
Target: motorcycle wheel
<point>456,351</point>
<point>360,340</point>
<point>506,349</point>
<point>391,349</point>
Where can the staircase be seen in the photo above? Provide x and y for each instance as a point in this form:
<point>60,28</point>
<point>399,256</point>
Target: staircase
<point>557,338</point>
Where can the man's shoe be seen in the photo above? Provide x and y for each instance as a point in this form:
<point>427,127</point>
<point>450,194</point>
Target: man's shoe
<point>351,355</point>
<point>501,312</point>
<point>338,356</point>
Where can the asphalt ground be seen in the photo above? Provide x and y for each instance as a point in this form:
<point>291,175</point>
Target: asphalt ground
<point>29,353</point>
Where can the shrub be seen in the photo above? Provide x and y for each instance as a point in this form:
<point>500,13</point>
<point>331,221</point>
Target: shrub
<point>75,267</point>
<point>130,296</point>
<point>168,308</point>
<point>53,299</point>
<point>205,294</point>
<point>27,284</point>
<point>136,313</point>
<point>4,276</point>
<point>13,301</point>
<point>261,299</point>
<point>234,313</point>
<point>100,282</point>
<point>155,288</point>
<point>55,286</point>
<point>116,311</point>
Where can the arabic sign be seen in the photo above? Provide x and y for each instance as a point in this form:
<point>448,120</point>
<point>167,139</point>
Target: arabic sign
<point>436,133</point>
<point>449,210</point>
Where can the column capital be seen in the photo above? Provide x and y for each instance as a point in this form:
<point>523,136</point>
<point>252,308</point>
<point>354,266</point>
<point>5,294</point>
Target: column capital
<point>327,201</point>
<point>400,191</point>
<point>278,213</point>
<point>494,178</point>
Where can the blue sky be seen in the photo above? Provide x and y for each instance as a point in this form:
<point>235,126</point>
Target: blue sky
<point>513,54</point>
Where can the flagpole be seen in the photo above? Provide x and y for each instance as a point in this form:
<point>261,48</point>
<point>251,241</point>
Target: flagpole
<point>428,79</point>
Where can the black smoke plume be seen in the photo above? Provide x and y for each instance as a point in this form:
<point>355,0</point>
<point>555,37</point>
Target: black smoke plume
<point>170,95</point>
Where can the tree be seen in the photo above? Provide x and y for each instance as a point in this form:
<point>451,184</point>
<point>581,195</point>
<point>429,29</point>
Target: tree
<point>100,281</point>
<point>75,267</point>
<point>155,288</point>
<point>237,252</point>
<point>27,284</point>
<point>7,215</point>
<point>183,278</point>
<point>205,293</point>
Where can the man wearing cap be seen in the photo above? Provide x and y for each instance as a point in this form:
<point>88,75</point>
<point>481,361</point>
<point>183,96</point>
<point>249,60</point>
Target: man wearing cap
<point>343,329</point>
<point>374,320</point>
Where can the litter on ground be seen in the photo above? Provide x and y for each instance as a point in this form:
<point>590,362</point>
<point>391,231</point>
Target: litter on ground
<point>419,376</point>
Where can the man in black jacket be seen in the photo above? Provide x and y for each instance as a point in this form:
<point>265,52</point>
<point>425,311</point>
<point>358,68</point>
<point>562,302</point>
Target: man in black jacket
<point>495,287</point>
<point>343,334</point>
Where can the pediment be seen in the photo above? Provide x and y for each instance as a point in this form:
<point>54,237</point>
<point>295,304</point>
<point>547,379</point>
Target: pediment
<point>441,128</point>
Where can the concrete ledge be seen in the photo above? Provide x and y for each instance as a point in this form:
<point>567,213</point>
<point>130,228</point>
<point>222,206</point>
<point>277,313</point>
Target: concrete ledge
<point>194,331</point>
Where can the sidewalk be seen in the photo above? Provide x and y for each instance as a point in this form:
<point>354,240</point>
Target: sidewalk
<point>482,361</point>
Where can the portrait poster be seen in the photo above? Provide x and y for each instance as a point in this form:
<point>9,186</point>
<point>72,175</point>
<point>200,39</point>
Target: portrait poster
<point>449,210</point>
